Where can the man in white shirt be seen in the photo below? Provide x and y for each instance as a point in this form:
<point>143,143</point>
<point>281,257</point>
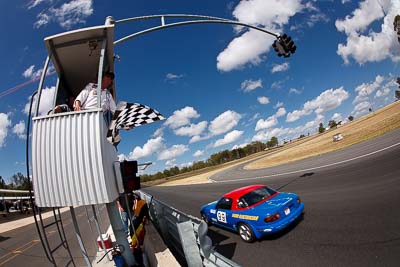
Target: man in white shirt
<point>87,98</point>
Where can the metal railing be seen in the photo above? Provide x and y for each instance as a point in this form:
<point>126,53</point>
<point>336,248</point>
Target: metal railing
<point>184,235</point>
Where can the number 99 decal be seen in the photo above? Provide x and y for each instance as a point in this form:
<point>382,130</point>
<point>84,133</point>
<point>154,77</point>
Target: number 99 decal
<point>221,216</point>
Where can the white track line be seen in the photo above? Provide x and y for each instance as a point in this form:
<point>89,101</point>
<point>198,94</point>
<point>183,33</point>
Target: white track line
<point>304,170</point>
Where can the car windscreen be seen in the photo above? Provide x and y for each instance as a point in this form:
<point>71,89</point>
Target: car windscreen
<point>224,203</point>
<point>257,195</point>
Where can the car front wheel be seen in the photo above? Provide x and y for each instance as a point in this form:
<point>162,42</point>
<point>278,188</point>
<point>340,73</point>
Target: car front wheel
<point>246,233</point>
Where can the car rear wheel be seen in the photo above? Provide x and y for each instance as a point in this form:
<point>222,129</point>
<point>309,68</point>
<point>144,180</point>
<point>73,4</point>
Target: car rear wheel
<point>246,233</point>
<point>205,219</point>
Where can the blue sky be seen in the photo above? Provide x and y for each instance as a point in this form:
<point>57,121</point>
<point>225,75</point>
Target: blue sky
<point>219,86</point>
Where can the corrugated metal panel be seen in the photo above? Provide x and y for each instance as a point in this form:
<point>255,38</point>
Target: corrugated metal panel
<point>72,162</point>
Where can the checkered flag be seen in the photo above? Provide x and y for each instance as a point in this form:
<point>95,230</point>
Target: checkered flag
<point>130,115</point>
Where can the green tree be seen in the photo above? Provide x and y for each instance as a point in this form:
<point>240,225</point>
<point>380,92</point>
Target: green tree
<point>272,142</point>
<point>19,181</point>
<point>332,124</point>
<point>321,128</point>
<point>2,183</point>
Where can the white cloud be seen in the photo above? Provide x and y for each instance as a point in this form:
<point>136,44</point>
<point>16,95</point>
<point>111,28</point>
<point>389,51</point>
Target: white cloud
<point>158,132</point>
<point>296,114</point>
<point>198,153</point>
<point>221,124</point>
<point>363,43</point>
<point>280,67</point>
<point>255,116</point>
<point>249,47</point>
<point>267,13</point>
<point>278,105</point>
<point>192,129</point>
<point>361,109</point>
<point>229,138</point>
<point>265,124</point>
<point>46,101</point>
<point>172,152</point>
<point>295,91</point>
<point>170,163</point>
<point>268,134</point>
<point>263,100</point>
<point>280,112</point>
<point>289,133</point>
<point>151,147</point>
<point>28,72</point>
<point>383,92</point>
<point>337,117</point>
<point>43,19</point>
<point>35,3</point>
<point>309,126</point>
<point>277,85</point>
<point>314,18</point>
<point>122,157</point>
<point>32,74</point>
<point>186,164</point>
<point>362,17</point>
<point>67,15</point>
<point>19,129</point>
<point>224,122</point>
<point>327,100</point>
<point>171,76</point>
<point>250,85</point>
<point>5,122</point>
<point>239,146</point>
<point>244,49</point>
<point>251,120</point>
<point>181,117</point>
<point>197,138</point>
<point>364,90</point>
<point>270,121</point>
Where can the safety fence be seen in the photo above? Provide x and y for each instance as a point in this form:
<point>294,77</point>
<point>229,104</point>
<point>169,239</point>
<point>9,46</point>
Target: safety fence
<point>185,236</point>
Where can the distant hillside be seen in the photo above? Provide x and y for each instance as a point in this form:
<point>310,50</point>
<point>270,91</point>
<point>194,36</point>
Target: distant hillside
<point>369,126</point>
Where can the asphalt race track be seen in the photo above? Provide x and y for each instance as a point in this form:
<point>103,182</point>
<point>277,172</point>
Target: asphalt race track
<point>351,198</point>
<point>22,247</point>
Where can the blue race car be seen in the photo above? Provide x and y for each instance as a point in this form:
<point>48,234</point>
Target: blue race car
<point>253,211</point>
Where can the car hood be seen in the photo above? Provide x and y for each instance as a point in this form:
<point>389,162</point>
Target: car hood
<point>210,205</point>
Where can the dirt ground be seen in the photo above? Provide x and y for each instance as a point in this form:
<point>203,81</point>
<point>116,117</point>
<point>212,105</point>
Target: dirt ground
<point>369,126</point>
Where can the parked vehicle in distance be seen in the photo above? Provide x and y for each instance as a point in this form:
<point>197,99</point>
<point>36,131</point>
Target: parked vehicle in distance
<point>253,211</point>
<point>337,137</point>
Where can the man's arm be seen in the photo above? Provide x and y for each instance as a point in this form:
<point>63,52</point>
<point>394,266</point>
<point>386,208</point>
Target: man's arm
<point>112,104</point>
<point>77,105</point>
<point>119,206</point>
<point>82,97</point>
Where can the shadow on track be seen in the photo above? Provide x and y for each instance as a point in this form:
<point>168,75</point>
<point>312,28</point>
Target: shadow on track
<point>307,174</point>
<point>284,231</point>
<point>228,250</point>
<point>3,238</point>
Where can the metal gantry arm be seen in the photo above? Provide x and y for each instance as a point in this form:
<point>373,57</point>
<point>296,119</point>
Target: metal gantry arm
<point>199,20</point>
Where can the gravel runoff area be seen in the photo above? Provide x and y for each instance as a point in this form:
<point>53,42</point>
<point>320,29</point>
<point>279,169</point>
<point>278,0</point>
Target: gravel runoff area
<point>367,127</point>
